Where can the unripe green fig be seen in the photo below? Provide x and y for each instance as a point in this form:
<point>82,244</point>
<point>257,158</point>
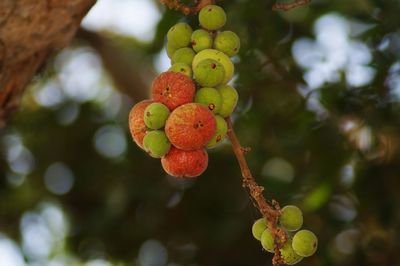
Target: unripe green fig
<point>305,243</point>
<point>291,218</point>
<point>222,129</point>
<point>227,42</point>
<point>183,55</point>
<point>179,35</point>
<point>200,40</point>
<point>209,97</point>
<point>181,68</point>
<point>229,100</point>
<point>155,115</point>
<point>170,50</point>
<point>288,255</point>
<point>218,56</point>
<point>209,73</point>
<point>212,17</point>
<point>258,228</point>
<point>156,143</point>
<point>267,241</point>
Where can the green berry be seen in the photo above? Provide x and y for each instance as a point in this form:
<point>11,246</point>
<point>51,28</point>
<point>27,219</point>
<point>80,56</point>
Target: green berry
<point>155,115</point>
<point>183,55</point>
<point>210,97</point>
<point>258,228</point>
<point>288,255</point>
<point>181,68</point>
<point>171,50</point>
<point>212,17</point>
<point>156,143</point>
<point>229,100</point>
<point>209,73</point>
<point>291,218</point>
<point>200,40</point>
<point>220,133</point>
<point>305,243</point>
<point>218,56</point>
<point>267,241</point>
<point>179,35</point>
<point>227,42</point>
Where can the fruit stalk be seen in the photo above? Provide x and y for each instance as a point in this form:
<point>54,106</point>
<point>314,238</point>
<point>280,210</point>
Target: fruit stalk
<point>177,5</point>
<point>270,211</point>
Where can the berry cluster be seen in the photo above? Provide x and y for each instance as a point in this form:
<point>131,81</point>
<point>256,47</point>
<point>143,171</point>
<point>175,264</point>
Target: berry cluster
<point>302,244</point>
<point>190,100</point>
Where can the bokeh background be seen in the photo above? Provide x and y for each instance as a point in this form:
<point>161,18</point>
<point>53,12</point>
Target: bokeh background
<point>319,105</point>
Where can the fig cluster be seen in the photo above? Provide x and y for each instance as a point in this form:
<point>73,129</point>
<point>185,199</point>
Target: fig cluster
<point>189,102</point>
<point>298,245</point>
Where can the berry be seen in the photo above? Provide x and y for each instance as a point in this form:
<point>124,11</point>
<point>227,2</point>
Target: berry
<point>136,122</point>
<point>291,218</point>
<point>200,40</point>
<point>180,163</point>
<point>227,42</point>
<point>209,73</point>
<point>288,255</point>
<point>155,115</point>
<point>219,56</point>
<point>156,143</point>
<point>305,243</point>
<point>190,126</point>
<point>258,228</point>
<point>267,241</point>
<point>212,17</point>
<point>222,129</point>
<point>179,35</point>
<point>183,55</point>
<point>229,100</point>
<point>173,89</point>
<point>181,68</point>
<point>209,97</point>
<point>171,50</point>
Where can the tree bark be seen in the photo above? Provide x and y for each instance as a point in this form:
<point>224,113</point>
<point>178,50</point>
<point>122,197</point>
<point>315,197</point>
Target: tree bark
<point>30,30</point>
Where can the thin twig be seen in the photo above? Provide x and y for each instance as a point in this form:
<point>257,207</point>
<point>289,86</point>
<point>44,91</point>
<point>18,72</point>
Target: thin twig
<point>185,9</point>
<point>289,6</point>
<point>270,211</point>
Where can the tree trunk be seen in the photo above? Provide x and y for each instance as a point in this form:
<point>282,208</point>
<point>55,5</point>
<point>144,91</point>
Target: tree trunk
<point>30,30</point>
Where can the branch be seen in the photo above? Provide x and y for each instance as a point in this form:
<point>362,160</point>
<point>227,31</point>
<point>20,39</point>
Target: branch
<point>289,6</point>
<point>185,9</point>
<point>270,211</point>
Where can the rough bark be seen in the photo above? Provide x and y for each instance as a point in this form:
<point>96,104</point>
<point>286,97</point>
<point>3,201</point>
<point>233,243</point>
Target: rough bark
<point>30,30</point>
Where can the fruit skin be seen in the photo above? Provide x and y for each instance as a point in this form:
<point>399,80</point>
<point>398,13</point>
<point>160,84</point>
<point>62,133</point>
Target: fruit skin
<point>209,97</point>
<point>179,35</point>
<point>181,68</point>
<point>258,228</point>
<point>219,56</point>
<point>288,255</point>
<point>291,218</point>
<point>173,89</point>
<point>190,126</point>
<point>227,42</point>
<point>305,243</point>
<point>229,100</point>
<point>184,164</point>
<point>267,241</point>
<point>200,40</point>
<point>222,129</point>
<point>137,126</point>
<point>212,17</point>
<point>155,115</point>
<point>156,143</point>
<point>209,73</point>
<point>183,55</point>
<point>170,50</point>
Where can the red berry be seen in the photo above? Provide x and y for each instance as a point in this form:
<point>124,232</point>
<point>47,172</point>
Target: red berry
<point>136,122</point>
<point>190,126</point>
<point>180,163</point>
<point>173,89</point>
